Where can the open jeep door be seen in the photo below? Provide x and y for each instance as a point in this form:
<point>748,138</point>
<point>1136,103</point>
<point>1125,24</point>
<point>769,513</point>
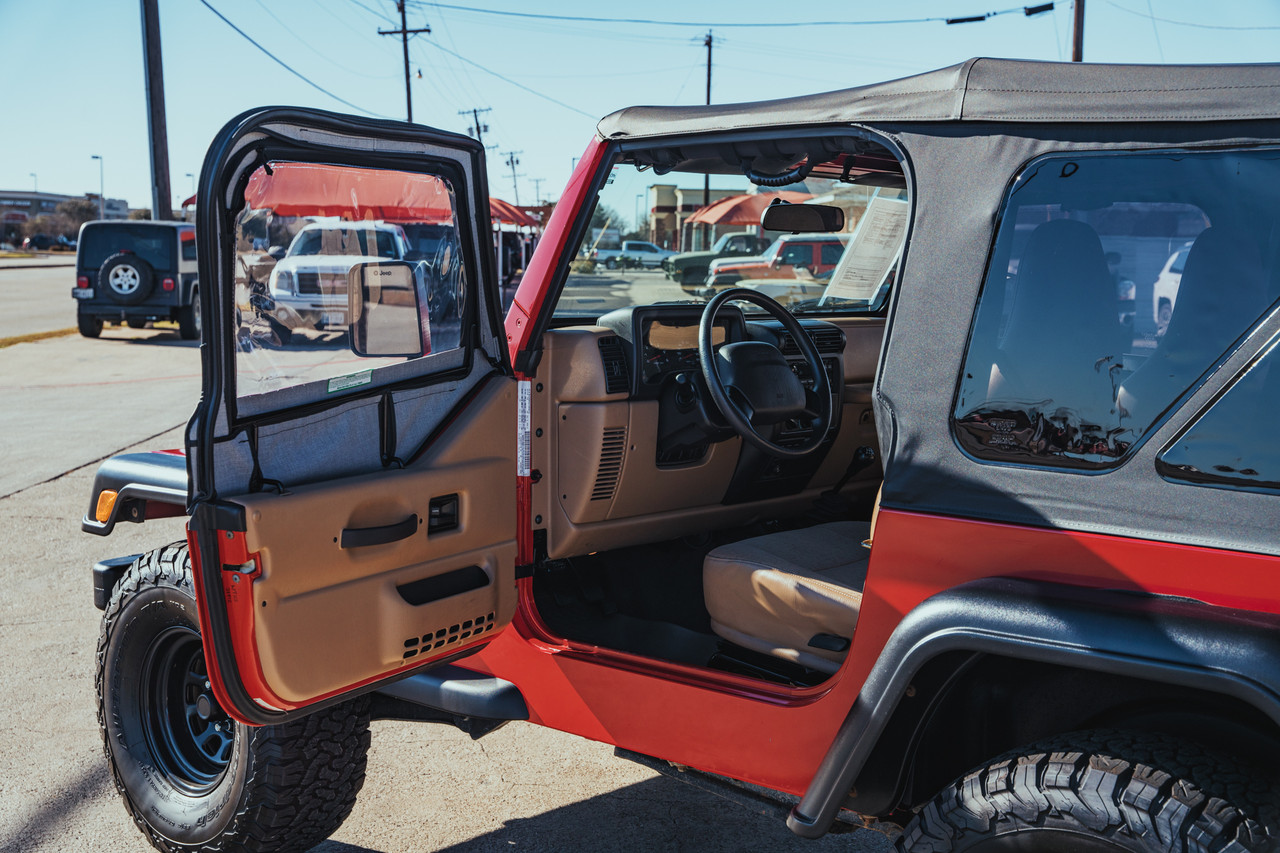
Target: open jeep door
<point>353,455</point>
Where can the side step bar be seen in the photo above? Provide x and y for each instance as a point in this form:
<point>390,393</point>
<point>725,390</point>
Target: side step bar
<point>474,702</point>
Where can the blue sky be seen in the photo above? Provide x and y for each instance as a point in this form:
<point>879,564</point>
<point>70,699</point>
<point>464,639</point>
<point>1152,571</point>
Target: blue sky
<point>75,81</point>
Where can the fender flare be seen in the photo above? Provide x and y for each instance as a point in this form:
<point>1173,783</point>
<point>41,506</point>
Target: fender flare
<point>1180,641</point>
<point>139,481</point>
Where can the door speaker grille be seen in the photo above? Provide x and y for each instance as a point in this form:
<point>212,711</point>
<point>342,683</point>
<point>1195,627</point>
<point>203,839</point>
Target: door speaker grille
<point>613,448</point>
<point>438,639</point>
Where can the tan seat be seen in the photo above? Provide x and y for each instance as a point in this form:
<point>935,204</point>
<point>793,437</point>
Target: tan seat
<point>775,594</point>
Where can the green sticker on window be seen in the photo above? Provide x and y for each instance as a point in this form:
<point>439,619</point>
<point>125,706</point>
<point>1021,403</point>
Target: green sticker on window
<point>354,380</point>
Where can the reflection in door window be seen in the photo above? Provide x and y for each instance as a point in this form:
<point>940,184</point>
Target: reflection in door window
<point>1085,335</point>
<point>1233,444</point>
<point>305,231</point>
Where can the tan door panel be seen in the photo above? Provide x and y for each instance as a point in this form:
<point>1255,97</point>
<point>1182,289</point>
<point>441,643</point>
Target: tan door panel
<point>328,616</point>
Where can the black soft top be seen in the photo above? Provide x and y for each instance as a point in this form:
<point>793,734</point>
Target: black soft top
<point>994,90</point>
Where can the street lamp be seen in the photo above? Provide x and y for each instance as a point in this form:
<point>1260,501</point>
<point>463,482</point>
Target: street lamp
<point>638,197</point>
<point>102,198</point>
<point>35,181</point>
<point>193,182</point>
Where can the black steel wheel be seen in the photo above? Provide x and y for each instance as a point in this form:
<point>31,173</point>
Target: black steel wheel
<point>190,776</point>
<point>1103,792</point>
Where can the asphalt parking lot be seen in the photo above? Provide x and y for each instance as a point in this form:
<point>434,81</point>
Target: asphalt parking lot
<point>68,403</point>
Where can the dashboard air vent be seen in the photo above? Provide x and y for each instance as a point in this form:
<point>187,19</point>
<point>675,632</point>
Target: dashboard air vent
<point>614,359</point>
<point>613,446</point>
<point>828,339</point>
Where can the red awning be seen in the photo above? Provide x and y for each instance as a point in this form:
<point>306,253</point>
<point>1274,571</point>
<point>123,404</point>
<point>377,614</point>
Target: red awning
<point>742,209</point>
<point>508,214</point>
<point>315,189</point>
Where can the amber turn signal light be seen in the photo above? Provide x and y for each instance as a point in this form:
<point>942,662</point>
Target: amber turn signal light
<point>106,503</point>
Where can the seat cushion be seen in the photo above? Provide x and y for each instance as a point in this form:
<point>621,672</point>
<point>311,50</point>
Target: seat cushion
<point>774,593</point>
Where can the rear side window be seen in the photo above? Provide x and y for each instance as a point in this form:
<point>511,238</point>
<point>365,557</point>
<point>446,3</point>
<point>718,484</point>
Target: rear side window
<point>155,245</point>
<point>1233,444</point>
<point>187,240</point>
<point>1115,283</point>
<point>831,253</point>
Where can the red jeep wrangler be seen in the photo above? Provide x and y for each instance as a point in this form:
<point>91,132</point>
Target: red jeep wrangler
<point>1051,621</point>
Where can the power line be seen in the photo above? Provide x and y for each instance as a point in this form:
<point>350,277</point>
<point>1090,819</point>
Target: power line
<point>716,24</point>
<point>326,57</point>
<point>1188,23</point>
<point>438,46</point>
<point>286,67</point>
<point>374,11</point>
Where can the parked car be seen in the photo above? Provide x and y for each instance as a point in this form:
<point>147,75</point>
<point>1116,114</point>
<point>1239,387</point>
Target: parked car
<point>633,253</point>
<point>1164,293</point>
<point>308,287</point>
<point>134,272</point>
<point>815,254</point>
<point>690,268</point>
<point>958,557</point>
<point>39,242</point>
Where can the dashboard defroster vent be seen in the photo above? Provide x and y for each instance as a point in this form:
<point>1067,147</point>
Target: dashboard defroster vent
<point>613,447</point>
<point>614,359</point>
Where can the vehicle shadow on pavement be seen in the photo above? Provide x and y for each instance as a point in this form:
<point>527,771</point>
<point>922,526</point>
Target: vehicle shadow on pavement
<point>49,822</point>
<point>657,814</point>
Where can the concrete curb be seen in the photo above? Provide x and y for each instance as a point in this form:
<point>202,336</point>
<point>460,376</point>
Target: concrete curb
<point>4,266</point>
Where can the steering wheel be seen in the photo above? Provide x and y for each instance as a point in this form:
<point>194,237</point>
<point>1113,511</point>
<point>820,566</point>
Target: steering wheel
<point>754,387</point>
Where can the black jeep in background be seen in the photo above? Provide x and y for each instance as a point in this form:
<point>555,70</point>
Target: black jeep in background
<point>134,272</point>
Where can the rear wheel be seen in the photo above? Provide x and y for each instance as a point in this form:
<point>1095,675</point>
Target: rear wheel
<point>189,318</point>
<point>191,777</point>
<point>89,326</point>
<point>1096,792</point>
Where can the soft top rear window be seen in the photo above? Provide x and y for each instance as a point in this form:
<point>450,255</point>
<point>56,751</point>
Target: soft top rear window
<point>153,244</point>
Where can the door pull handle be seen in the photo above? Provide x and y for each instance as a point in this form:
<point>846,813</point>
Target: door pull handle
<point>360,537</point>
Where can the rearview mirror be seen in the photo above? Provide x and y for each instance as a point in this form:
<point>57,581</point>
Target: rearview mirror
<point>384,306</point>
<point>784,216</point>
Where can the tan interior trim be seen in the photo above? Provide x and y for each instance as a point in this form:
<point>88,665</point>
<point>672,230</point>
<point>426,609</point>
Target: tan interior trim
<point>328,617</point>
<point>649,504</point>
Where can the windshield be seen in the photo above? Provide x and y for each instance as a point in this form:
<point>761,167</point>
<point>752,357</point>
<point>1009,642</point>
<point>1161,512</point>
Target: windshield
<point>345,241</point>
<point>705,225</point>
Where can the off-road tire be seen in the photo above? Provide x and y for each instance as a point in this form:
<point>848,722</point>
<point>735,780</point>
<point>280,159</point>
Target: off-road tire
<point>1103,791</point>
<point>278,788</point>
<point>89,325</point>
<point>126,278</point>
<point>189,320</point>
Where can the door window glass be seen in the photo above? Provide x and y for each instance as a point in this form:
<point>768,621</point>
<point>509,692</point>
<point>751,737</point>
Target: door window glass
<point>313,244</point>
<point>1115,283</point>
<point>1233,444</point>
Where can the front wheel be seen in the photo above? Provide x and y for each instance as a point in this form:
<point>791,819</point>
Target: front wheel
<point>1103,793</point>
<point>191,777</point>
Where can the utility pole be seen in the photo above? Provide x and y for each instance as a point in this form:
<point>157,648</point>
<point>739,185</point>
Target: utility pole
<point>477,130</point>
<point>102,193</point>
<point>161,207</point>
<point>1077,32</point>
<point>537,190</point>
<point>514,161</point>
<point>404,32</point>
<point>706,178</point>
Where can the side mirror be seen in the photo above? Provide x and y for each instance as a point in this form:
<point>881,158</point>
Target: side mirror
<point>277,252</point>
<point>384,306</point>
<point>784,216</point>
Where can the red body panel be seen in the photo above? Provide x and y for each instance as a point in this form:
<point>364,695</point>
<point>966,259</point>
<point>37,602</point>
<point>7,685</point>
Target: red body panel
<point>778,739</point>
